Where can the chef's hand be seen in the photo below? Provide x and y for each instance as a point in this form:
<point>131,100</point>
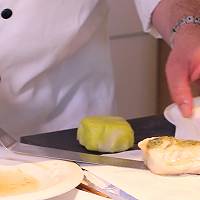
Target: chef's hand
<point>183,67</point>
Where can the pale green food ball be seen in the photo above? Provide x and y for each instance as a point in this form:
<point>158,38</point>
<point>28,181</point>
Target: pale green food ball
<point>105,134</point>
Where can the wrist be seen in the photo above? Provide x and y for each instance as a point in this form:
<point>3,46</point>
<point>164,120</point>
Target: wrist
<point>183,22</point>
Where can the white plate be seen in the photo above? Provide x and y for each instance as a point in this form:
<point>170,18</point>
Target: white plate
<point>56,177</point>
<point>167,111</point>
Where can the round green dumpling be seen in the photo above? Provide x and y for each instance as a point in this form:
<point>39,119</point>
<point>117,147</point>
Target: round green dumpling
<point>105,134</point>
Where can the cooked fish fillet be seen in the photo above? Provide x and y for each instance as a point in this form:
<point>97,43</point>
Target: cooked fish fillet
<point>168,155</point>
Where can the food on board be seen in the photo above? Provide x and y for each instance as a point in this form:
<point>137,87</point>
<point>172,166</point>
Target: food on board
<point>171,156</point>
<point>105,133</point>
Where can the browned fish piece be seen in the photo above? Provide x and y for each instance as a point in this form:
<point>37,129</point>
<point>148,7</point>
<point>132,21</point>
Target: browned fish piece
<point>170,156</point>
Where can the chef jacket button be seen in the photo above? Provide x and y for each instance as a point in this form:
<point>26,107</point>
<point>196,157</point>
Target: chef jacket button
<point>6,13</point>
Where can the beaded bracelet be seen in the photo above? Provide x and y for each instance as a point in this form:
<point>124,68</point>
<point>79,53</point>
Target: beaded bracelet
<point>187,20</point>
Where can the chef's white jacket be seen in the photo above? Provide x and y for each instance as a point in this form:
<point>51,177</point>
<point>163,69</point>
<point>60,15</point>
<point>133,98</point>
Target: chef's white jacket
<point>55,63</point>
<point>145,9</point>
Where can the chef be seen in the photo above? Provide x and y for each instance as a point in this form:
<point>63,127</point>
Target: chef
<point>55,64</point>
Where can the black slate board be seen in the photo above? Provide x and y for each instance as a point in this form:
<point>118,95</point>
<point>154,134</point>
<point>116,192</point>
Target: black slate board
<point>150,126</point>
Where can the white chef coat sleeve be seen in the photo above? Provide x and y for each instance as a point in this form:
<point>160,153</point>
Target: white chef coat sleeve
<point>145,9</point>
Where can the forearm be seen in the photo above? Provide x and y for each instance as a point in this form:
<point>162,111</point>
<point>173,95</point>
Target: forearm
<point>183,63</point>
<point>169,12</point>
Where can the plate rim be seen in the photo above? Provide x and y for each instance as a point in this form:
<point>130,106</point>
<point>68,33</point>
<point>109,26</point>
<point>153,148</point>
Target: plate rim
<point>167,111</point>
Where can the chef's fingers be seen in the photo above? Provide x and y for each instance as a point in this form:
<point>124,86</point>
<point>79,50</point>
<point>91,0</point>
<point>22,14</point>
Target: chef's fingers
<point>178,82</point>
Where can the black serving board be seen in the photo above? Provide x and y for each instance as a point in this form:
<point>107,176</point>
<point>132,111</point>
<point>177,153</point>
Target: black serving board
<point>150,126</point>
